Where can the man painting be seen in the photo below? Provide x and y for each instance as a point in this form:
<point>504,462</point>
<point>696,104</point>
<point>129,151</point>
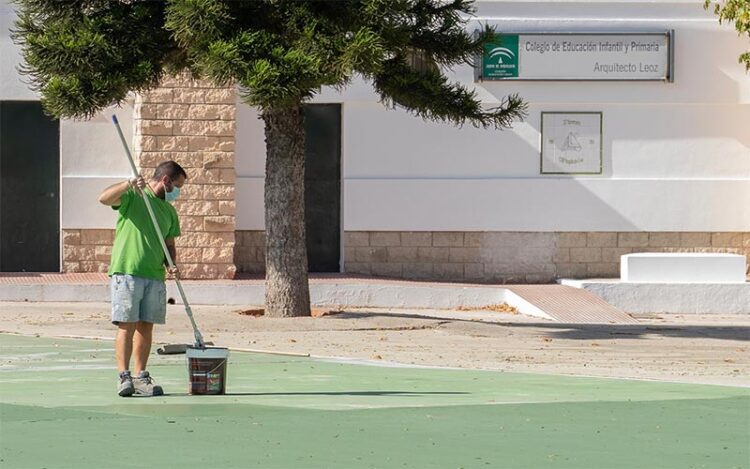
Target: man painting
<point>137,269</point>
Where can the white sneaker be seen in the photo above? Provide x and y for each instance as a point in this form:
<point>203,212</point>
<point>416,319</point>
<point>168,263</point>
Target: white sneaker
<point>144,385</point>
<point>125,386</point>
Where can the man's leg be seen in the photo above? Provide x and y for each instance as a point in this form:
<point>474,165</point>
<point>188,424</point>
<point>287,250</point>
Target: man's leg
<point>142,345</point>
<point>144,385</point>
<point>125,315</point>
<point>153,311</point>
<point>123,351</point>
<point>124,345</point>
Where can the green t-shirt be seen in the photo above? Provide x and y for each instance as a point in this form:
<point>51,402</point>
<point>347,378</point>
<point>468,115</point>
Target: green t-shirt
<point>137,250</point>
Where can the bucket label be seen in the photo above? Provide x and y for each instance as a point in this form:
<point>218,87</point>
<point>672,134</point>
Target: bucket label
<point>207,375</point>
<point>213,382</point>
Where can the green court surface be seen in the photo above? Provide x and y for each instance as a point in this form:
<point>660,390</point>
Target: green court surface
<point>59,410</point>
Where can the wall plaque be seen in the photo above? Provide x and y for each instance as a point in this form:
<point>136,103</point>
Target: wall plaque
<point>578,56</point>
<point>571,143</point>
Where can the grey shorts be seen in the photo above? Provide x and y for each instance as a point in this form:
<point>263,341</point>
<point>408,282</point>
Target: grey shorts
<point>138,299</point>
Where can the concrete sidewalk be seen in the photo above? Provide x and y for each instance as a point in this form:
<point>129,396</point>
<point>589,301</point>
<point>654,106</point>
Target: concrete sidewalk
<point>551,302</point>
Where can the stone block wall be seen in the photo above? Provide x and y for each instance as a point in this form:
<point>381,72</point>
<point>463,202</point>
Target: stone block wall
<point>87,250</point>
<point>250,252</point>
<point>589,255</point>
<point>193,123</point>
<point>499,257</point>
<point>458,256</point>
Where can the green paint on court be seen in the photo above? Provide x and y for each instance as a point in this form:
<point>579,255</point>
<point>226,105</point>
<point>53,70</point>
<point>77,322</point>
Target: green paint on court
<point>59,409</point>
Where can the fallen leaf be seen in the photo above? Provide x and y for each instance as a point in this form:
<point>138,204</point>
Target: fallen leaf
<point>320,312</point>
<point>498,308</point>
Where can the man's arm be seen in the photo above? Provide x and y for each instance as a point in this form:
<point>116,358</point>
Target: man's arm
<point>111,195</point>
<point>172,253</point>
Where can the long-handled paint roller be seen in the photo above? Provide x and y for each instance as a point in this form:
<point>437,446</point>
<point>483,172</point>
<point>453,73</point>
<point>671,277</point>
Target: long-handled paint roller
<point>170,348</point>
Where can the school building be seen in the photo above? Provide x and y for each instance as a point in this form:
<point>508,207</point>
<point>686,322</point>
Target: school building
<point>637,139</point>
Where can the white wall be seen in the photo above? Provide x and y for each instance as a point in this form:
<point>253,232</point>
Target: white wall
<point>91,153</point>
<point>92,158</point>
<point>640,141</point>
<point>250,160</point>
<point>558,204</point>
<point>11,84</point>
<point>676,155</point>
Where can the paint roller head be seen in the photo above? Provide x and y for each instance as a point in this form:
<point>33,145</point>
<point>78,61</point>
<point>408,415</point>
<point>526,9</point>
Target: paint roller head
<point>114,119</point>
<point>172,349</point>
<point>175,349</point>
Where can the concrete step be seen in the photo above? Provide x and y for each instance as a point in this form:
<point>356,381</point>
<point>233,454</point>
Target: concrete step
<point>678,297</point>
<point>683,267</point>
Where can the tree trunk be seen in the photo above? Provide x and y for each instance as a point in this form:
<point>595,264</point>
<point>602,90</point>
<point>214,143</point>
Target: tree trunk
<point>287,291</point>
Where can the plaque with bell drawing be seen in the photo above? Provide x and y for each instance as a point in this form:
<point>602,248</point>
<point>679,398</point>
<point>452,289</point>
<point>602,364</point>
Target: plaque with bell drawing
<point>571,143</point>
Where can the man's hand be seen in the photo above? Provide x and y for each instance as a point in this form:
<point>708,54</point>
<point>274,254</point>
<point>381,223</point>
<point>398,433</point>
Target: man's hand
<point>137,183</point>
<point>174,271</point>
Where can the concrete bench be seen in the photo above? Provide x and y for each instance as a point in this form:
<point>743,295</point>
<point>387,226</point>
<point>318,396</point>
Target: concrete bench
<point>683,267</point>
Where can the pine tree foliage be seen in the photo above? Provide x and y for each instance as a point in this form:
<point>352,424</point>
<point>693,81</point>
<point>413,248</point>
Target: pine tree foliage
<point>86,54</point>
<point>83,55</point>
<point>737,12</point>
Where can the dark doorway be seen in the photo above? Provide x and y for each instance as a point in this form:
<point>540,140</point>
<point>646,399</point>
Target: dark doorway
<point>323,186</point>
<point>29,188</point>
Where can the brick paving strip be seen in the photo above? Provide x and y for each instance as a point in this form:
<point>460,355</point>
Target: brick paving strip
<point>571,305</point>
<point>38,278</point>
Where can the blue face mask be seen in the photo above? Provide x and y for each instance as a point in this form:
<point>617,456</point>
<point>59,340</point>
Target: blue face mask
<point>172,196</point>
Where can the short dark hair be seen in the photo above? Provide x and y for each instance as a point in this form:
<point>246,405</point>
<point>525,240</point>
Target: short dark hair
<point>168,168</point>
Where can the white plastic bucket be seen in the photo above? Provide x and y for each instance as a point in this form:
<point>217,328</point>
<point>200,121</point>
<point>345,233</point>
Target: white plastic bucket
<point>207,370</point>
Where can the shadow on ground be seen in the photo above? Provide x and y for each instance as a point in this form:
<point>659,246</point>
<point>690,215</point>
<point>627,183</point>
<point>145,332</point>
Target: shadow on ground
<point>579,331</point>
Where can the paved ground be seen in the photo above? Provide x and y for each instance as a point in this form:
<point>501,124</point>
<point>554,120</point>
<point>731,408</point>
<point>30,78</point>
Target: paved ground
<point>696,349</point>
<point>58,410</point>
<point>548,401</point>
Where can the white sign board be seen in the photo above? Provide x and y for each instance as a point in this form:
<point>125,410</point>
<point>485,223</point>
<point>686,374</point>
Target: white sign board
<point>584,56</point>
<point>571,143</point>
